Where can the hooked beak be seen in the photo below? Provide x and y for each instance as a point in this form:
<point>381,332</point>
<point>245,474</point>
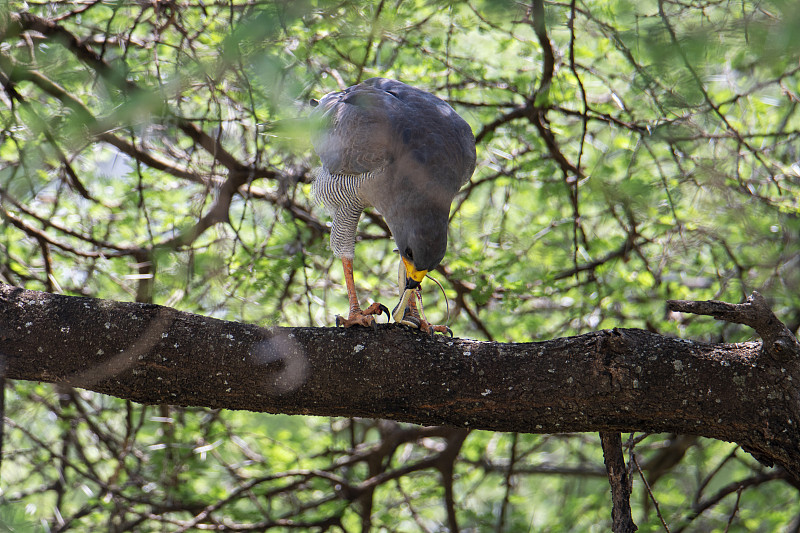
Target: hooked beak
<point>413,276</point>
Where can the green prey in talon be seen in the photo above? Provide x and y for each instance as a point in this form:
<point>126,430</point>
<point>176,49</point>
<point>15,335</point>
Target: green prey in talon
<point>406,312</point>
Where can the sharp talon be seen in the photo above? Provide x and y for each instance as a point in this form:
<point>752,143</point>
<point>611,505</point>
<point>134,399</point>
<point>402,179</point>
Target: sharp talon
<point>365,318</point>
<point>449,332</point>
<point>384,309</point>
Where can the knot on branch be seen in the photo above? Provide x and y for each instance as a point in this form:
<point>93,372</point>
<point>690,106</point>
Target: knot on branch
<point>777,340</point>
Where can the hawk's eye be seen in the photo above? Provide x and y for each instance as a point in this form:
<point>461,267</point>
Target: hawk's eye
<point>409,254</point>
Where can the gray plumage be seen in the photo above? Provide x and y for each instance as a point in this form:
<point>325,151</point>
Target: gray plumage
<point>402,150</point>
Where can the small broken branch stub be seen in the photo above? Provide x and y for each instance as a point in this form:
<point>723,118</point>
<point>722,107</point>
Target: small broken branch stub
<point>778,342</point>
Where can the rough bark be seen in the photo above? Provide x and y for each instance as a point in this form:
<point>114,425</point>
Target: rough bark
<point>610,380</point>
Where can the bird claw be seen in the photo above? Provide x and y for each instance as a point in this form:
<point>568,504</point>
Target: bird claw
<point>364,318</point>
<point>356,319</point>
<point>431,329</point>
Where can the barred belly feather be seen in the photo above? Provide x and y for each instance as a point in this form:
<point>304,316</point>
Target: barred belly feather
<point>339,193</point>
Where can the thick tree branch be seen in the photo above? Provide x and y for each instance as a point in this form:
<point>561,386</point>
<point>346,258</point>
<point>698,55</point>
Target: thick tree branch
<point>617,380</point>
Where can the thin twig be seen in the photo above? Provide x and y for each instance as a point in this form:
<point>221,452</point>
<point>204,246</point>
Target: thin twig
<point>650,492</point>
<point>735,508</point>
<point>508,484</point>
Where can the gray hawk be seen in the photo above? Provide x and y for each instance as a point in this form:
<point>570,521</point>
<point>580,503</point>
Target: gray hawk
<point>406,153</point>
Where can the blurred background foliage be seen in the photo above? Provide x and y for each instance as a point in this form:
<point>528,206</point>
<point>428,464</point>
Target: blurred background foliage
<point>628,153</point>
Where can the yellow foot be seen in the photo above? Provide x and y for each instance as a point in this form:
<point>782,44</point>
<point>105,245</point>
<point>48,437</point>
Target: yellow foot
<point>364,318</point>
